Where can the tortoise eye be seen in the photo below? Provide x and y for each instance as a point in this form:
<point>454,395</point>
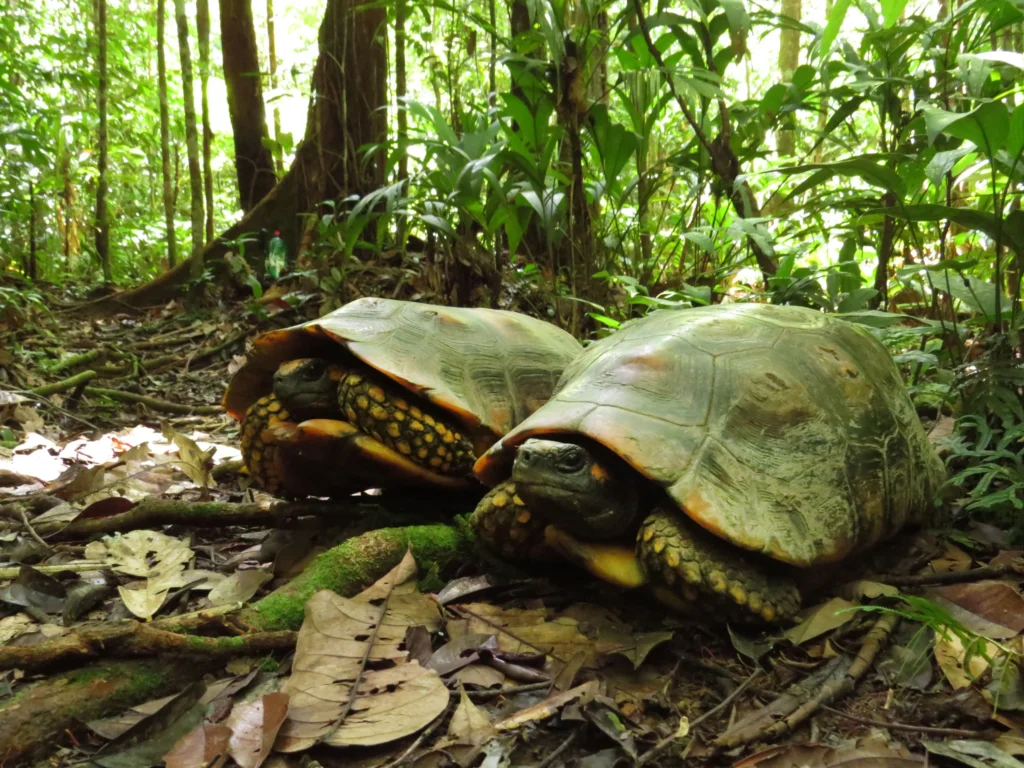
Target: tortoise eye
<point>314,370</point>
<point>573,461</point>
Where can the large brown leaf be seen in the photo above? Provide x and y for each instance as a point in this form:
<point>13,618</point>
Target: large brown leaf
<point>352,681</point>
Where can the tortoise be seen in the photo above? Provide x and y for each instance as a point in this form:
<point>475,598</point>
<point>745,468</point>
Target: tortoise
<point>740,444</point>
<point>388,393</point>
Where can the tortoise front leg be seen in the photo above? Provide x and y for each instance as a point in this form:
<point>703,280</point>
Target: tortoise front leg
<point>700,567</point>
<point>504,523</point>
<point>259,451</point>
<point>424,435</point>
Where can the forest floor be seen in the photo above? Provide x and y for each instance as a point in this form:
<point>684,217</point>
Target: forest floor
<point>112,426</point>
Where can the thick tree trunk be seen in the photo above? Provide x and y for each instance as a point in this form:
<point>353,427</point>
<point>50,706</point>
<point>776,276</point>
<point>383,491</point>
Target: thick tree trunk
<point>254,164</point>
<point>191,140</point>
<point>165,134</point>
<point>203,29</point>
<point>272,38</point>
<point>102,213</point>
<point>789,60</point>
<point>345,113</point>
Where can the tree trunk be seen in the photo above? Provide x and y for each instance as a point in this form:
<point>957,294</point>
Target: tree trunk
<point>31,265</point>
<point>165,135</point>
<point>346,112</point>
<point>789,60</point>
<point>102,214</point>
<point>203,29</point>
<point>191,140</point>
<point>254,164</point>
<point>272,38</point>
<point>402,116</point>
<point>67,222</point>
<point>492,58</point>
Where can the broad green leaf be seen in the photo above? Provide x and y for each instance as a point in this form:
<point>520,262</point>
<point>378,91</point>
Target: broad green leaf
<point>615,144</point>
<point>1015,136</point>
<point>438,223</point>
<point>892,10</point>
<point>700,239</point>
<point>835,23</point>
<point>857,300</point>
<point>985,126</point>
<point>876,318</point>
<point>772,100</point>
<point>1012,58</point>
<point>981,221</point>
<point>860,167</point>
<point>943,163</point>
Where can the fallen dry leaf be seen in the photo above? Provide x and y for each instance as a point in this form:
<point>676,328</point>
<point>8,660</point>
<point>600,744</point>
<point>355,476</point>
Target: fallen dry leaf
<point>239,586</point>
<point>193,460</point>
<point>952,560</point>
<point>341,692</point>
<point>993,609</point>
<point>821,619</point>
<point>959,667</point>
<point>205,746</point>
<point>470,724</point>
<point>159,560</point>
<point>254,728</point>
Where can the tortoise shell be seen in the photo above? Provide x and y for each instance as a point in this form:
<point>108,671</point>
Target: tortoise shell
<point>779,429</point>
<point>490,368</point>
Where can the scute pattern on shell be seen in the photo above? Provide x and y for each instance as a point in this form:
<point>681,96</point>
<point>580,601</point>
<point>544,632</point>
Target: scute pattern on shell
<point>489,367</point>
<point>780,429</point>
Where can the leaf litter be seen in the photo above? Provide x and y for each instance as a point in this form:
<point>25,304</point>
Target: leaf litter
<point>488,673</point>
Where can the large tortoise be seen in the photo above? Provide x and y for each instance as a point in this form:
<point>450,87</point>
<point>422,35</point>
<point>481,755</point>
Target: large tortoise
<point>383,393</point>
<point>738,443</point>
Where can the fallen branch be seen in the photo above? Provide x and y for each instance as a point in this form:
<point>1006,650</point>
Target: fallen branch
<point>152,512</point>
<point>952,577</point>
<point>131,638</point>
<point>774,720</point>
<point>65,384</point>
<point>153,402</point>
<point>928,730</point>
<point>44,715</point>
<point>73,361</point>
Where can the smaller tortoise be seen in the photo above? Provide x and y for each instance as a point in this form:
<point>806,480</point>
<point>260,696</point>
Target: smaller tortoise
<point>384,393</point>
<point>737,444</point>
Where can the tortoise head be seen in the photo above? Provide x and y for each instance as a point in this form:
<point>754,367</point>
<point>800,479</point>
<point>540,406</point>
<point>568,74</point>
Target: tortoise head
<point>577,487</point>
<point>308,387</point>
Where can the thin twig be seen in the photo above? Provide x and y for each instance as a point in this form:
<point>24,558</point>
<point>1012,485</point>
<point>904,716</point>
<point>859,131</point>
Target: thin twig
<point>959,733</point>
<point>420,739</point>
<point>557,752</point>
<point>493,693</point>
<point>662,745</point>
<point>32,531</point>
